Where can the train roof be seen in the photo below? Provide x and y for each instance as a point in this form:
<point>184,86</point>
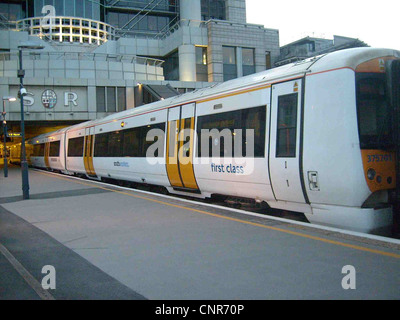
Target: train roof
<point>349,58</point>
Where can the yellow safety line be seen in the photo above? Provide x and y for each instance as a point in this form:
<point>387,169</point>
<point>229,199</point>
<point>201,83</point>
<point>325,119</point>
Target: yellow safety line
<point>389,254</point>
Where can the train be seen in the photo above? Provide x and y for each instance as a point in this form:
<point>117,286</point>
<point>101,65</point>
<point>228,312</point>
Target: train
<point>317,137</point>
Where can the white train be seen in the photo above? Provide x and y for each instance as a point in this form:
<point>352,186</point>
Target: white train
<point>322,131</point>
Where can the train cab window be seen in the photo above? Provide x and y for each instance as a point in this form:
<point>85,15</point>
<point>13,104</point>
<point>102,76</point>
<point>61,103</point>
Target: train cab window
<point>54,149</point>
<point>75,147</point>
<point>374,121</point>
<point>287,125</point>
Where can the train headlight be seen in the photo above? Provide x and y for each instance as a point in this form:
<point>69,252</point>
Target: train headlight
<point>371,174</point>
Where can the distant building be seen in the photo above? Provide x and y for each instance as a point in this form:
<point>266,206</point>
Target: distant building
<point>309,47</point>
<point>106,56</point>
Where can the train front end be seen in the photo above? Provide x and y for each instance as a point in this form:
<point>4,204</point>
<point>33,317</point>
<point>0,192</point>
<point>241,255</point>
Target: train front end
<point>378,112</point>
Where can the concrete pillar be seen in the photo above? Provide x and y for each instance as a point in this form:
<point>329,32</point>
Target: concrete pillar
<point>187,62</point>
<point>190,10</point>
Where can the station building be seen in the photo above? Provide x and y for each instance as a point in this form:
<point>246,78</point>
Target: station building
<point>105,56</point>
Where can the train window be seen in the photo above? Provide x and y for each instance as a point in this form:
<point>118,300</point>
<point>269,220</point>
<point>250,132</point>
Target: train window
<point>287,125</point>
<point>115,143</point>
<point>125,143</point>
<point>101,145</point>
<point>38,150</point>
<point>131,147</point>
<point>254,119</point>
<point>75,147</point>
<point>54,149</point>
<point>374,120</point>
<point>146,144</point>
<point>226,127</point>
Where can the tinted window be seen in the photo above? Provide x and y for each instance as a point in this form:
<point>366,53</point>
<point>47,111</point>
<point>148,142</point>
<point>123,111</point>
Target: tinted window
<point>374,120</point>
<point>287,124</point>
<point>54,149</point>
<point>125,143</point>
<point>75,147</point>
<point>236,130</point>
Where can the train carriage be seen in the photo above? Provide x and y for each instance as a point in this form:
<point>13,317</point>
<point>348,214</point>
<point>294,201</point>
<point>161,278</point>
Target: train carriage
<point>316,137</point>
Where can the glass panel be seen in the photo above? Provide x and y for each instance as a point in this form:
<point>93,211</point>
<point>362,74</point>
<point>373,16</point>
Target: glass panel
<point>121,99</point>
<point>54,149</point>
<point>247,119</point>
<point>229,55</point>
<point>131,146</point>
<point>373,113</point>
<point>229,60</point>
<point>101,99</point>
<point>75,147</point>
<point>287,124</point>
<point>101,145</point>
<point>111,100</point>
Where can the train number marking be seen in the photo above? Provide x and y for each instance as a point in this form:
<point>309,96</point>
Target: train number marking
<point>379,158</point>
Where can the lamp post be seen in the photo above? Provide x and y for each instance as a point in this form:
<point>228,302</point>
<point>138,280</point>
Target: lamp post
<point>5,133</point>
<point>21,74</point>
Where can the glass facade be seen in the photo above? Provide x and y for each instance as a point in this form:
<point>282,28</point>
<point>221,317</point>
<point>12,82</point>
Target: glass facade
<point>171,66</point>
<point>248,61</point>
<point>71,8</point>
<point>110,99</point>
<point>13,10</point>
<point>229,61</point>
<point>201,64</point>
<point>213,9</point>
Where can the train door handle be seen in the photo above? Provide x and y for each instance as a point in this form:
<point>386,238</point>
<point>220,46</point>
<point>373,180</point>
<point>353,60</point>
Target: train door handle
<point>313,180</point>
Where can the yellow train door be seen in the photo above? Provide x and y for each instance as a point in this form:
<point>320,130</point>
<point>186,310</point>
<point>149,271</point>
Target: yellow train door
<point>180,148</point>
<point>88,151</point>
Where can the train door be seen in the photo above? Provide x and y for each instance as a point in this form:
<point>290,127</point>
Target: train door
<point>88,151</point>
<point>285,149</point>
<point>180,147</point>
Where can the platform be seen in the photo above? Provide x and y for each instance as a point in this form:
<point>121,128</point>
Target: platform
<point>107,242</point>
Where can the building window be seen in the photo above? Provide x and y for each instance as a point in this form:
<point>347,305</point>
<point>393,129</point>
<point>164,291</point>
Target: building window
<point>267,60</point>
<point>101,99</point>
<point>287,124</point>
<point>201,64</point>
<point>229,61</point>
<point>110,99</point>
<point>121,99</point>
<point>248,61</point>
<point>213,9</point>
<point>171,66</point>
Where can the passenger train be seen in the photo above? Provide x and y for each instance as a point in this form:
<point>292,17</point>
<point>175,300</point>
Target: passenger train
<point>316,137</point>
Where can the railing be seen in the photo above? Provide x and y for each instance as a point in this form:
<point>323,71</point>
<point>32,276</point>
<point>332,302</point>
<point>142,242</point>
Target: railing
<point>68,29</point>
<point>7,56</point>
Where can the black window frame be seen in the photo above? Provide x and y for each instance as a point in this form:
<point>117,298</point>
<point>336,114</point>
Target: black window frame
<point>288,150</point>
<point>237,119</point>
<point>113,144</point>
<point>75,147</point>
<point>54,150</point>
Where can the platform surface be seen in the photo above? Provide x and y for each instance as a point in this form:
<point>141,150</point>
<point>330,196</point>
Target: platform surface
<point>106,242</point>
